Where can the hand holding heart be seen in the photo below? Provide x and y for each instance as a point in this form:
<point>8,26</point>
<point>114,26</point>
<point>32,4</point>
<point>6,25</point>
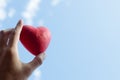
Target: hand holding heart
<point>11,68</point>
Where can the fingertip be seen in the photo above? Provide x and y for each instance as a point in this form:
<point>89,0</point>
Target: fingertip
<point>42,56</point>
<point>19,22</point>
<point>19,26</point>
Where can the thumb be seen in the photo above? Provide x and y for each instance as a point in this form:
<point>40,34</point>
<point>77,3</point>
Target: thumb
<point>37,61</point>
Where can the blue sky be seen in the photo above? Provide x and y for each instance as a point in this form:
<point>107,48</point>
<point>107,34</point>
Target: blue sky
<point>85,41</point>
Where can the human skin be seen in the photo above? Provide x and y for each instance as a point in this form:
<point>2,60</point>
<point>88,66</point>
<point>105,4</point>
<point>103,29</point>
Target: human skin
<point>11,68</point>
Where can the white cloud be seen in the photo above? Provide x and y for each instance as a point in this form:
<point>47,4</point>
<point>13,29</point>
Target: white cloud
<point>3,4</point>
<point>30,11</point>
<point>37,75</point>
<point>2,14</point>
<point>11,12</point>
<point>55,2</point>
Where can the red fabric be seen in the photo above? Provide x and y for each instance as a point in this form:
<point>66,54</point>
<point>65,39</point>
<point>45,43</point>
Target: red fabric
<point>35,40</point>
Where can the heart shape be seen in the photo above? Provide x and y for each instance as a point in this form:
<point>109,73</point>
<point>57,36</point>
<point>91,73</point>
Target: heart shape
<point>35,39</point>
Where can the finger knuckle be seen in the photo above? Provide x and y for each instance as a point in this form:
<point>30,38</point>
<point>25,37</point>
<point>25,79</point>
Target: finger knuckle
<point>8,53</point>
<point>2,32</point>
<point>10,50</point>
<point>38,60</point>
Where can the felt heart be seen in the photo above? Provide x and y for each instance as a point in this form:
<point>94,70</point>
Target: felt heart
<point>35,39</point>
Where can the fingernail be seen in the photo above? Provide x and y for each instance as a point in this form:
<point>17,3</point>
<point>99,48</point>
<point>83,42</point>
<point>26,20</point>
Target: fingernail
<point>19,22</point>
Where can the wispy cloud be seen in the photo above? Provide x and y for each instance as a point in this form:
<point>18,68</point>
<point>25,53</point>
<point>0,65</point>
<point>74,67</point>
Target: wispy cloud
<point>11,12</point>
<point>3,13</point>
<point>55,2</point>
<point>31,10</point>
<point>41,22</point>
<point>37,75</point>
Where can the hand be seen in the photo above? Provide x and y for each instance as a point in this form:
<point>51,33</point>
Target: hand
<point>11,68</point>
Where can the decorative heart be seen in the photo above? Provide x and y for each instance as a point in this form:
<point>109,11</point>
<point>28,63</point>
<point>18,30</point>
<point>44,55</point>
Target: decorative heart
<point>35,39</point>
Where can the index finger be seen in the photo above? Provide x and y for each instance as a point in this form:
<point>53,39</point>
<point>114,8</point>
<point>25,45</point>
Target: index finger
<point>16,33</point>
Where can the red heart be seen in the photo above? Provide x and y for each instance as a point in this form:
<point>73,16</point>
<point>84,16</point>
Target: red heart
<point>36,40</point>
